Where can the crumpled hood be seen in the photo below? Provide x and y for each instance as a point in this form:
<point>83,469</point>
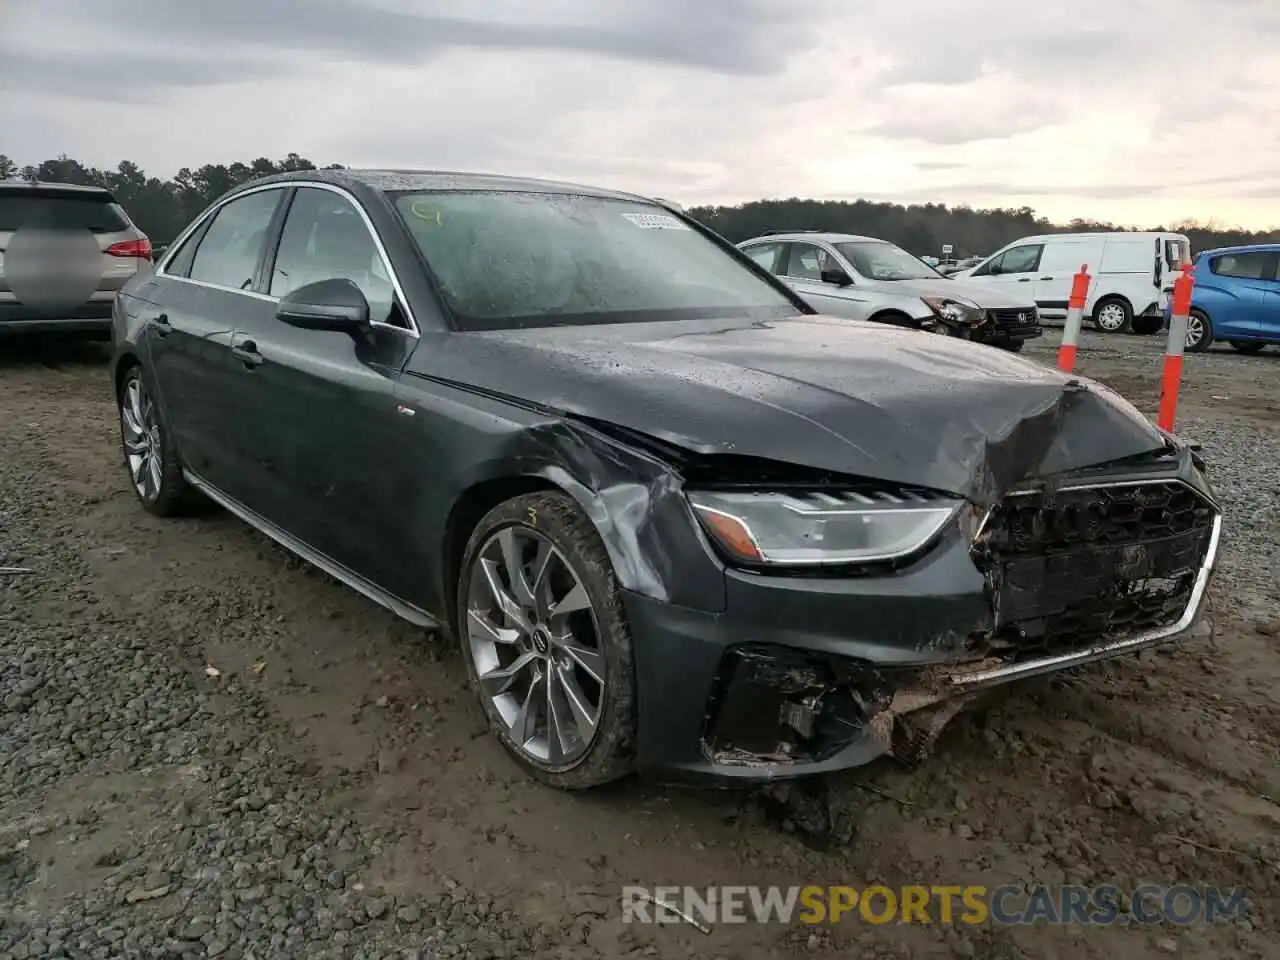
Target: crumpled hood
<point>986,295</point>
<point>861,399</point>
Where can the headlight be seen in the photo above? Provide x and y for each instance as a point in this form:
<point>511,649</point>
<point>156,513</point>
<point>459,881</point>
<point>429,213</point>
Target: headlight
<point>957,311</point>
<point>820,528</point>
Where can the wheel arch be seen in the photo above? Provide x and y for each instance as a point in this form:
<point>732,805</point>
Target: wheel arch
<point>1108,297</point>
<point>467,512</point>
<point>638,513</point>
<point>893,315</point>
<point>125,361</point>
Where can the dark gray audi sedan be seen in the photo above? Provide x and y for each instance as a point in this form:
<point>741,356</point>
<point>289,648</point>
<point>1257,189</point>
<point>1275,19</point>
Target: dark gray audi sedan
<point>677,521</point>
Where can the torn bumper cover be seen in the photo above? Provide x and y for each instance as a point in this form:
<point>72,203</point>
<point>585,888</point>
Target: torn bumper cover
<point>804,674</point>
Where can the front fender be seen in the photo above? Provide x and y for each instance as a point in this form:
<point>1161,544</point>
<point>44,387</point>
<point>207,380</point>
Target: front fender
<point>634,499</point>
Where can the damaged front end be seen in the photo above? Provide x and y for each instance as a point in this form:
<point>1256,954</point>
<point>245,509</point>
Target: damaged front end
<point>1065,530</point>
<point>1072,574</point>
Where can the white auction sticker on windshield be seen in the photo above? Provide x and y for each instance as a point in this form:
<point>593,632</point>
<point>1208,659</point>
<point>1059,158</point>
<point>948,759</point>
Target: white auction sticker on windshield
<point>655,221</point>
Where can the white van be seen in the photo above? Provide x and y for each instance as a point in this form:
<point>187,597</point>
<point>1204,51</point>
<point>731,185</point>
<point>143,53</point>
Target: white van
<point>1132,274</point>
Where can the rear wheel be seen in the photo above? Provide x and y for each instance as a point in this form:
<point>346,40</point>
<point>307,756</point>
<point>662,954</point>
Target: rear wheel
<point>1113,315</point>
<point>1248,346</point>
<point>546,642</point>
<point>149,455</point>
<point>1199,332</point>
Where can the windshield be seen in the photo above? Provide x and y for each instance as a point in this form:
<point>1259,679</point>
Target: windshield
<point>508,259</point>
<point>877,260</point>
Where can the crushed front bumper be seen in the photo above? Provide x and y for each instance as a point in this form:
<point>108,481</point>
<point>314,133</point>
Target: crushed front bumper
<point>804,675</point>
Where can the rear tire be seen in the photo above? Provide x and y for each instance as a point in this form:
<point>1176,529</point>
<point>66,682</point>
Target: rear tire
<point>1248,347</point>
<point>150,459</point>
<point>530,655</point>
<point>1113,315</point>
<point>1199,332</point>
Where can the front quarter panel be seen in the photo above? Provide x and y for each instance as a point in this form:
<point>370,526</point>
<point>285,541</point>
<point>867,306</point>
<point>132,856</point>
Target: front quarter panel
<point>464,440</point>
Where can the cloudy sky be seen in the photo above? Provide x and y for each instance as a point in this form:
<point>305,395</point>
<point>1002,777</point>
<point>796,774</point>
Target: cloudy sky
<point>1139,111</point>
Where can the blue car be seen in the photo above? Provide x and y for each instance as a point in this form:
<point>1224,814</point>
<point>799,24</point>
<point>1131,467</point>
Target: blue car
<point>1236,298</point>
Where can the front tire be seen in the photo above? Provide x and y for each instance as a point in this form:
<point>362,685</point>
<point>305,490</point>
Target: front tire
<point>546,641</point>
<point>1146,326</point>
<point>154,471</point>
<point>1013,346</point>
<point>1113,315</point>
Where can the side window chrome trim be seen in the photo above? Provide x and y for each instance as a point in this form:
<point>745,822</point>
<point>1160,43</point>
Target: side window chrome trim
<point>161,269</point>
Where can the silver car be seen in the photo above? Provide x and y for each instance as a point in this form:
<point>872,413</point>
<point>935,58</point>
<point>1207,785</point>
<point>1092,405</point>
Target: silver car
<point>862,278</point>
<point>65,250</point>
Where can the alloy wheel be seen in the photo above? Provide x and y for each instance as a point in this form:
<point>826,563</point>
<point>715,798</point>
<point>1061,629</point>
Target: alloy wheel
<point>1195,332</point>
<point>534,641</point>
<point>140,433</point>
<point>1110,317</point>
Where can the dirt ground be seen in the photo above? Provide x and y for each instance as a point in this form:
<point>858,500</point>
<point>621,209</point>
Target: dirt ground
<point>1163,769</point>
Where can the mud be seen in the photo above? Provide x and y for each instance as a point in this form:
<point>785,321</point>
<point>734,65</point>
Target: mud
<point>1160,769</point>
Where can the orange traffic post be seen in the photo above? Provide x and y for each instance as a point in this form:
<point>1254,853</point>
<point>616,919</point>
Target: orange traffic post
<point>1075,319</point>
<point>1174,349</point>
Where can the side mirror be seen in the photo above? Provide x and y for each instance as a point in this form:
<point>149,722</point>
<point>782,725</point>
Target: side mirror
<point>336,305</point>
<point>837,276</point>
<point>994,270</point>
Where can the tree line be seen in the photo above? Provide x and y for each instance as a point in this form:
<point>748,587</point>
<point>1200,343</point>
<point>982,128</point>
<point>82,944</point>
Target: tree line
<point>161,208</point>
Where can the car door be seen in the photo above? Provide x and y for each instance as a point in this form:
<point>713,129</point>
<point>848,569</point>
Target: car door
<point>1014,267</point>
<point>1060,260</point>
<point>1240,295</point>
<point>323,421</point>
<point>194,305</point>
<point>801,265</point>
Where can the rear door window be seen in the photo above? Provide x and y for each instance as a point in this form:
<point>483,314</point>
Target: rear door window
<point>1254,265</point>
<point>98,214</point>
<point>230,249</point>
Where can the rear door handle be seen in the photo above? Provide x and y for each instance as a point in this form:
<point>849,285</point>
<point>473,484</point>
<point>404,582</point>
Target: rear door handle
<point>1046,278</point>
<point>163,326</point>
<point>246,351</point>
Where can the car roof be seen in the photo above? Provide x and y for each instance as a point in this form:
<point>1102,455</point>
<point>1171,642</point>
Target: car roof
<point>391,180</point>
<point>1242,248</point>
<point>816,235</point>
<point>1101,234</point>
<point>52,187</point>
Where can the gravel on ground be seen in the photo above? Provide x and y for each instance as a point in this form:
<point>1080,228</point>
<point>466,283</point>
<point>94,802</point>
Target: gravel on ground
<point>210,749</point>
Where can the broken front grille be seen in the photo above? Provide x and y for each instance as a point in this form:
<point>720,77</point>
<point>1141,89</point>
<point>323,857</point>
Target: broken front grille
<point>1075,567</point>
<point>1013,319</point>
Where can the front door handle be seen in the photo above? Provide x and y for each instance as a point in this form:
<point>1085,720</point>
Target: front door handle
<point>1046,278</point>
<point>163,326</point>
<point>246,351</point>
<point>1024,279</point>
